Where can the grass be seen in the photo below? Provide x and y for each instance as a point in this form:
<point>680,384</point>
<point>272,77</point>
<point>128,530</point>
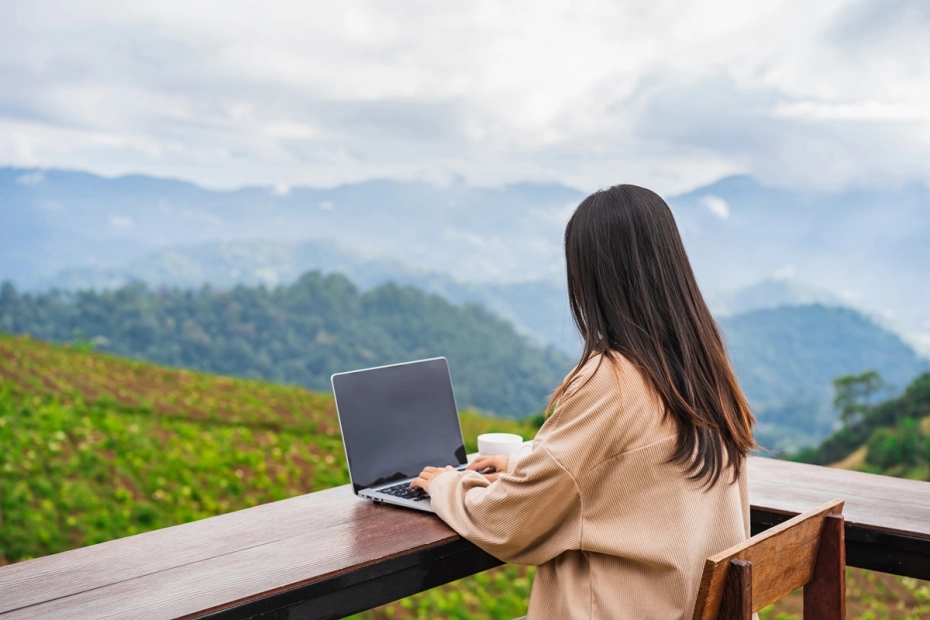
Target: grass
<point>81,473</point>
<point>869,596</point>
<point>96,448</point>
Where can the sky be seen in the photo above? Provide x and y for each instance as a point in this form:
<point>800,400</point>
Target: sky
<point>672,95</point>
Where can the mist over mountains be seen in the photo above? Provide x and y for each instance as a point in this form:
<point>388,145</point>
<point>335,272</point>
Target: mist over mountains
<point>57,220</point>
<point>537,308</point>
<point>870,248</point>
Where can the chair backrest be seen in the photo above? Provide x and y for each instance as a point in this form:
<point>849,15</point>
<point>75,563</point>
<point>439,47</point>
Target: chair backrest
<point>807,550</point>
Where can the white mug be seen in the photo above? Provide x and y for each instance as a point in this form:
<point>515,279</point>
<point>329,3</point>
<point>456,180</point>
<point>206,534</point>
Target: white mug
<point>491,444</point>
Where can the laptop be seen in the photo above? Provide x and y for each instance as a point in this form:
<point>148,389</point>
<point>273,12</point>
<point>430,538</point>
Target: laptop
<point>396,420</point>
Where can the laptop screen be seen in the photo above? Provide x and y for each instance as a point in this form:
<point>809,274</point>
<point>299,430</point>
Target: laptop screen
<point>398,419</point>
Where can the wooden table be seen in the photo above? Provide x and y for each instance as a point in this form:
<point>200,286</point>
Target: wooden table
<point>329,554</point>
<point>887,519</point>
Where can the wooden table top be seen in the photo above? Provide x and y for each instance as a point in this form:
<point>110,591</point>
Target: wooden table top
<point>243,558</point>
<point>874,503</point>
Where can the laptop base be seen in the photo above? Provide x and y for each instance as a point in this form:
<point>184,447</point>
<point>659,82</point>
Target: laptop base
<point>376,495</point>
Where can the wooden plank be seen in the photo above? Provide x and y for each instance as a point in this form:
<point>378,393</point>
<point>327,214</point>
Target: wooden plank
<point>783,560</point>
<point>129,559</point>
<point>876,503</point>
<point>367,535</point>
<point>825,594</point>
<point>737,592</point>
<point>889,553</point>
<point>63,574</point>
<point>370,587</point>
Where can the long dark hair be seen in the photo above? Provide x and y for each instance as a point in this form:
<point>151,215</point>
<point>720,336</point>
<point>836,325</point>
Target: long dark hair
<point>632,292</point>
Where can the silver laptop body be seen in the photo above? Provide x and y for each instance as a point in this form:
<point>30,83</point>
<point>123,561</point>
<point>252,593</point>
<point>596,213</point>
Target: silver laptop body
<point>395,420</point>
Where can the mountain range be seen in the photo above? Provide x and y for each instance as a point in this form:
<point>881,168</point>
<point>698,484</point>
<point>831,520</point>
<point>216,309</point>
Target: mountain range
<point>868,247</point>
<point>538,308</point>
<point>777,267</point>
<point>786,359</point>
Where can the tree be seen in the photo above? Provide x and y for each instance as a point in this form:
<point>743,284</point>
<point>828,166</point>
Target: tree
<point>854,395</point>
<point>894,447</point>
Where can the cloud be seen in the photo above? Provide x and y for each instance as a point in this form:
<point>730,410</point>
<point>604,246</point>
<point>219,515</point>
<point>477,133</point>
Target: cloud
<point>867,22</point>
<point>861,110</point>
<point>665,94</point>
<point>716,205</point>
<point>556,215</point>
<point>822,146</point>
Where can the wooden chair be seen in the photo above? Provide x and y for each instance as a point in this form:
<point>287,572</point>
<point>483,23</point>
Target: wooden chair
<point>807,550</point>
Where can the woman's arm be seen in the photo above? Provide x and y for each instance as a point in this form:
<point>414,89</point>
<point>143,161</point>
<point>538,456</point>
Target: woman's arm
<point>527,517</point>
<point>533,513</point>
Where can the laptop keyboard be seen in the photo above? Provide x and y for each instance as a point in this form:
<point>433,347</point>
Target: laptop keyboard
<point>416,494</point>
<point>403,491</point>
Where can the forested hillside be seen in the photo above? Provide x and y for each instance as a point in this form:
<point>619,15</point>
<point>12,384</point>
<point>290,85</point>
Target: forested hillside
<point>300,334</point>
<point>786,359</point>
<point>889,437</point>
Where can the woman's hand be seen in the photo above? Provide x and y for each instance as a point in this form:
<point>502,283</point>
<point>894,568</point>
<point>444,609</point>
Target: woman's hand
<point>426,476</point>
<point>496,464</point>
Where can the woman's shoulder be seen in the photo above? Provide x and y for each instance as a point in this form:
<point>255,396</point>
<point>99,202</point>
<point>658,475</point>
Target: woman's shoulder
<point>604,371</point>
<point>605,410</point>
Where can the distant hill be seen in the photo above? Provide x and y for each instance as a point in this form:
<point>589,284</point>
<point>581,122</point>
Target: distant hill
<point>769,293</point>
<point>866,247</point>
<point>869,247</point>
<point>536,308</point>
<point>301,334</point>
<point>56,220</point>
<point>786,359</point>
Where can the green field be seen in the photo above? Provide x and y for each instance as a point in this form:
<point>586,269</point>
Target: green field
<point>96,448</point>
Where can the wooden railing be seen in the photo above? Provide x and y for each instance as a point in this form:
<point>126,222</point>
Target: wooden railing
<point>329,554</point>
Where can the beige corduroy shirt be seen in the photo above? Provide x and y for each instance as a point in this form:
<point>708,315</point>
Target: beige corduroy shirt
<point>616,531</point>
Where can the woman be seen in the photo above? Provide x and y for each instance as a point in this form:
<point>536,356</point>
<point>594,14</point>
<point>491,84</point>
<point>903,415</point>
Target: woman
<point>639,473</point>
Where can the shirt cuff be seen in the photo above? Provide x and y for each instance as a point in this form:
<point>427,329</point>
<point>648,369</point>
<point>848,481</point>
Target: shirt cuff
<point>436,484</point>
<point>441,487</point>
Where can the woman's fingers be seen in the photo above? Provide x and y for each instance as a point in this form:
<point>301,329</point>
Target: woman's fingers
<point>483,462</point>
<point>499,463</point>
<point>423,480</point>
<point>492,477</point>
<point>479,463</point>
<point>428,474</point>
